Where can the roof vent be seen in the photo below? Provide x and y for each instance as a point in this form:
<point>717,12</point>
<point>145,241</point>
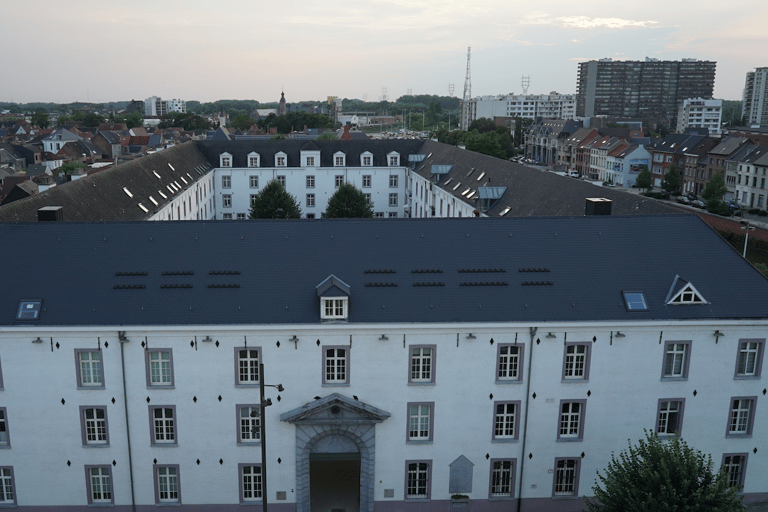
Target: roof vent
<point>598,206</point>
<point>50,214</point>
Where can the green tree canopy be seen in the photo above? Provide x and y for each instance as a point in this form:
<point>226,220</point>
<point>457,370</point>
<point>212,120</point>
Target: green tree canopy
<point>243,122</point>
<point>40,118</point>
<point>68,168</point>
<point>482,125</point>
<point>187,121</point>
<point>671,182</point>
<point>662,476</point>
<point>274,202</point>
<point>348,202</point>
<point>715,187</point>
<point>92,119</point>
<point>329,135</point>
<point>644,179</point>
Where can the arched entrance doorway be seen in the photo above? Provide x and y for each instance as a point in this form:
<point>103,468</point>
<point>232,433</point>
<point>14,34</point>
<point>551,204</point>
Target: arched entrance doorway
<point>334,475</point>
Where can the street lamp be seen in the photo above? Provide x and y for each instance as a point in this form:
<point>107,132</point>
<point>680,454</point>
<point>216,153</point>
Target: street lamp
<point>747,227</point>
<point>263,404</point>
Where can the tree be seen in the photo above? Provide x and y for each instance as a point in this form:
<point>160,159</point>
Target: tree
<point>92,119</point>
<point>348,202</point>
<point>242,122</point>
<point>274,202</point>
<point>68,168</point>
<point>644,179</point>
<point>715,188</point>
<point>663,476</point>
<point>40,118</point>
<point>329,135</point>
<point>671,182</point>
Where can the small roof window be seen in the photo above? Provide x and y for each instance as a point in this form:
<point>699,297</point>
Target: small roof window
<point>635,301</point>
<point>29,309</point>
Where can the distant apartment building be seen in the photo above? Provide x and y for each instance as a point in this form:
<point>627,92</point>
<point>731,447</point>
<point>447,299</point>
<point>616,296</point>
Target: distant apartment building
<point>700,113</point>
<point>755,100</point>
<point>156,106</point>
<point>641,89</point>
<point>527,106</point>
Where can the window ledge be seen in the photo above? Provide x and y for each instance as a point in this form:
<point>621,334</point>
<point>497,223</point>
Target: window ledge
<point>254,444</point>
<point>95,446</point>
<point>500,498</point>
<point>670,379</point>
<point>417,500</point>
<point>737,436</point>
<point>165,445</point>
<point>91,387</point>
<point>101,505</point>
<point>574,381</point>
<point>335,384</point>
<point>569,497</point>
<point>570,440</point>
<point>505,440</point>
<point>253,503</point>
<point>418,441</point>
<point>251,386</point>
<point>161,387</point>
<point>9,505</point>
<point>167,504</point>
<point>746,377</point>
<point>421,383</point>
<point>509,381</point>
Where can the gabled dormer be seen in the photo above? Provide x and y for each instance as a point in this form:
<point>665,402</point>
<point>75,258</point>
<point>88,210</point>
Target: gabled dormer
<point>339,159</point>
<point>366,159</point>
<point>684,293</point>
<point>393,159</point>
<point>225,160</point>
<point>334,299</point>
<point>310,155</point>
<point>254,159</point>
<point>281,159</point>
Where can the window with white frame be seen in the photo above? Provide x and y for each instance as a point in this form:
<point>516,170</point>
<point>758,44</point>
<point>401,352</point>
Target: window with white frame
<point>240,216</point>
<point>254,198</point>
<point>310,181</point>
<point>749,362</point>
<point>366,180</point>
<point>368,199</point>
<point>741,416</point>
<point>310,161</point>
<point>226,182</point>
<point>571,419</point>
<point>247,360</point>
<point>253,181</point>
<point>576,361</point>
<point>418,485</point>
<point>280,161</point>
<point>94,425</point>
<point>250,482</point>
<point>89,369</point>
<point>422,364</point>
<point>227,216</point>
<point>394,160</point>
<point>99,485</point>
<point>163,425</point>
<point>392,215</point>
<point>310,200</point>
<point>226,200</point>
<point>367,160</point>
<point>505,420</point>
<point>509,363</point>
<point>7,486</point>
<point>167,484</point>
<point>338,161</point>
<point>5,439</point>
<point>393,199</point>
<point>159,368</point>
<point>249,428</point>
<point>393,181</point>
<point>253,160</point>
<point>420,421</point>
<point>334,309</point>
<point>676,357</point>
<point>281,180</point>
<point>338,180</point>
<point>734,466</point>
<point>336,365</point>
<point>566,477</point>
<point>502,478</point>
<point>670,416</point>
<point>226,160</point>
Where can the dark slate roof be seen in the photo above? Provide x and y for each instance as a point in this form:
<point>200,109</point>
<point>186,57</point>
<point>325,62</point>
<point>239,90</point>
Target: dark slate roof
<point>292,147</point>
<point>110,137</point>
<point>530,192</point>
<point>728,146</point>
<point>100,196</point>
<point>532,270</point>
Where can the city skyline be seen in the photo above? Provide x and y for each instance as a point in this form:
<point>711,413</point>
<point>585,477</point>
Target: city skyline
<point>95,52</point>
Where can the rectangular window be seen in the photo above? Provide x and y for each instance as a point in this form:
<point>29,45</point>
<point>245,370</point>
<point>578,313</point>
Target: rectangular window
<point>240,216</point>
<point>167,485</point>
<point>280,161</point>
<point>368,199</point>
<point>310,161</point>
<point>310,200</point>
<point>421,364</point>
<point>93,425</point>
<point>253,181</point>
<point>227,216</point>
<point>566,482</point>
<point>670,416</point>
<point>7,487</point>
<point>393,160</point>
<point>506,420</point>
<point>417,479</point>
<point>281,180</point>
<point>735,467</point>
<point>334,309</point>
<point>254,198</point>
<point>420,416</point>
<point>247,361</point>
<point>226,200</point>
<point>392,215</point>
<point>576,362</point>
<point>250,482</point>
<point>367,161</point>
<point>310,182</point>
<point>509,363</point>
<point>89,369</point>
<point>226,182</point>
<point>393,181</point>
<point>226,161</point>
<point>393,199</point>
<point>253,161</point>
<point>336,365</point>
<point>741,416</point>
<point>163,425</point>
<point>571,420</point>
<point>502,478</point>
<point>159,363</point>
<point>248,426</point>
<point>5,436</point>
<point>98,481</point>
<point>749,360</point>
<point>366,181</point>
<point>339,161</point>
<point>338,181</point>
<point>677,355</point>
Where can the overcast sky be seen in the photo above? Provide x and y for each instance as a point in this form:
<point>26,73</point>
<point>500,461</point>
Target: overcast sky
<point>101,50</point>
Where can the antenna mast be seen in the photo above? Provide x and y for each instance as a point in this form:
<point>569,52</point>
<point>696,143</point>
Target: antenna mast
<point>525,83</point>
<point>465,106</point>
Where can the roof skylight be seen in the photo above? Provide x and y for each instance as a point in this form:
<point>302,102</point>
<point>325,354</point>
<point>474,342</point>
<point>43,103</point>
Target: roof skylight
<point>169,165</point>
<point>635,301</point>
<point>29,309</point>
<point>127,192</point>
<point>481,176</point>
<point>143,208</point>
<point>157,175</point>
<point>457,185</point>
<point>161,193</point>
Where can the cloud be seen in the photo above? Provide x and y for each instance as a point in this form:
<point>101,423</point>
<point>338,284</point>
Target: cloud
<point>576,40</point>
<point>543,18</point>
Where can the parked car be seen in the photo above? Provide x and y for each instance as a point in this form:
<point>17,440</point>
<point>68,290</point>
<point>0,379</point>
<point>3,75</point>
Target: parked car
<point>683,200</point>
<point>733,205</point>
<point>698,203</point>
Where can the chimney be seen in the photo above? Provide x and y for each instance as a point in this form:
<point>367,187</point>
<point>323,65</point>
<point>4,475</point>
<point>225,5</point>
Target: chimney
<point>346,135</point>
<point>598,206</point>
<point>50,214</point>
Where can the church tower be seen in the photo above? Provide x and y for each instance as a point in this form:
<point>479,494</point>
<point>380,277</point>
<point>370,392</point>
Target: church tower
<point>282,108</point>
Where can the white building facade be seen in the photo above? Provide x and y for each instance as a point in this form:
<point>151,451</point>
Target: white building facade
<point>527,106</point>
<point>700,113</point>
<point>755,100</point>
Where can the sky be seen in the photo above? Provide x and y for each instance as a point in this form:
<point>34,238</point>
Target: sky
<point>101,50</point>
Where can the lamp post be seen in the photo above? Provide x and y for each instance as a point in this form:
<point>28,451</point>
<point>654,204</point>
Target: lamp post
<point>263,404</point>
<point>747,227</point>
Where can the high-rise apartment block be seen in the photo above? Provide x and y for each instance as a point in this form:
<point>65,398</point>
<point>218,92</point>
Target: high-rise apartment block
<point>700,113</point>
<point>641,89</point>
<point>755,104</point>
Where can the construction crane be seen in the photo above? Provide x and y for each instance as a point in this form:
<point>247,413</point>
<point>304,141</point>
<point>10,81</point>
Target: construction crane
<point>465,103</point>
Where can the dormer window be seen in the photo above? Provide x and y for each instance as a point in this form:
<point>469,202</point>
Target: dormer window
<point>339,159</point>
<point>684,293</point>
<point>334,299</point>
<point>366,159</point>
<point>253,159</point>
<point>281,160</point>
<point>310,161</point>
<point>225,160</point>
<point>393,159</point>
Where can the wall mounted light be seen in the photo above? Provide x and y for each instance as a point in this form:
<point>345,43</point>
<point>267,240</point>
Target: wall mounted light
<point>38,340</point>
<point>121,337</point>
<point>717,335</point>
<point>471,336</point>
<point>207,339</point>
<point>551,335</point>
<point>620,334</point>
<point>383,338</point>
<point>294,339</point>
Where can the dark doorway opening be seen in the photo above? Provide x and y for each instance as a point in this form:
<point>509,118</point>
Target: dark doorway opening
<point>334,482</point>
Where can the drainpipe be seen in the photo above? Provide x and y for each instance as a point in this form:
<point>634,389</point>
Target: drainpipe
<point>532,331</point>
<point>123,341</point>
